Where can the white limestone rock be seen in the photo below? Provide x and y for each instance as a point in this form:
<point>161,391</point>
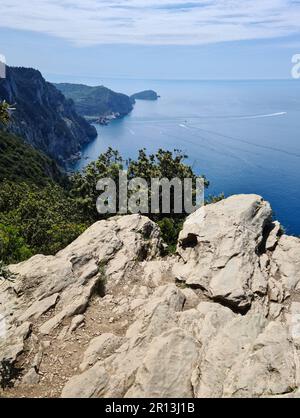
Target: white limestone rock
<point>219,247</point>
<point>99,349</point>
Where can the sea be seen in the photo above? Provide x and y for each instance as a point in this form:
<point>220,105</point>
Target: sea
<point>243,135</point>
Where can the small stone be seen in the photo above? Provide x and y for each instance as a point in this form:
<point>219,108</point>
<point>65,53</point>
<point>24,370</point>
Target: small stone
<point>63,333</point>
<point>31,378</point>
<point>46,344</point>
<point>76,322</point>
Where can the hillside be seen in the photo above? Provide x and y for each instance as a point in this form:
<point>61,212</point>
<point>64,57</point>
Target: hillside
<point>43,116</point>
<point>19,161</point>
<point>109,317</point>
<point>98,102</point>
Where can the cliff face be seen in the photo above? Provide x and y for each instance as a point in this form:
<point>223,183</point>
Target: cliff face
<point>44,118</point>
<point>96,101</point>
<point>219,320</point>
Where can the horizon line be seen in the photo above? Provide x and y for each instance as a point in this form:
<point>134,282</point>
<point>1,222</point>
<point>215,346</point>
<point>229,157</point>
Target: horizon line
<point>48,76</point>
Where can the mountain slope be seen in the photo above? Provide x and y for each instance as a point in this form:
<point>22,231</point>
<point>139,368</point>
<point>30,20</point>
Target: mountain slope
<point>96,101</point>
<point>21,162</point>
<point>43,116</point>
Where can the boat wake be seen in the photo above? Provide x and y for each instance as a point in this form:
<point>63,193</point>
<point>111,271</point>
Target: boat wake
<point>269,115</point>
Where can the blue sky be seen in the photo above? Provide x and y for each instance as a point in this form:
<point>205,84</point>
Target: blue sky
<point>77,40</point>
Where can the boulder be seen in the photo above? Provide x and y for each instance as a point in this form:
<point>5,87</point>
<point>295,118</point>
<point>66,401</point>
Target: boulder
<point>269,366</point>
<point>219,248</point>
<point>285,262</point>
<point>87,385</point>
<point>99,349</point>
<point>167,368</point>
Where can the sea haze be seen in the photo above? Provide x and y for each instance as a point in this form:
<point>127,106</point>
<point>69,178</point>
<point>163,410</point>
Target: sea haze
<point>243,135</point>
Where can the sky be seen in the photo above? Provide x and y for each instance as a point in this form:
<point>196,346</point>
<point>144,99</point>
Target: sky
<point>71,40</point>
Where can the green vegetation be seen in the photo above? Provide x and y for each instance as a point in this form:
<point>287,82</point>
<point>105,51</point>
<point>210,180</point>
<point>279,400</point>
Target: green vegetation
<point>170,229</point>
<point>4,113</point>
<point>83,184</point>
<point>21,162</point>
<point>36,213</point>
<point>96,101</point>
<point>36,220</point>
<point>163,164</point>
<point>42,212</point>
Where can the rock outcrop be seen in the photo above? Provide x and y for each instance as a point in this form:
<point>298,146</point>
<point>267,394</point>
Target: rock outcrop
<point>110,317</point>
<point>219,243</point>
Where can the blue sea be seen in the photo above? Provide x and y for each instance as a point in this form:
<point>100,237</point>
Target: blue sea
<point>243,135</point>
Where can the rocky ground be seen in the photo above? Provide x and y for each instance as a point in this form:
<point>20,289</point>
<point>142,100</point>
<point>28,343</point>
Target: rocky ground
<point>110,317</point>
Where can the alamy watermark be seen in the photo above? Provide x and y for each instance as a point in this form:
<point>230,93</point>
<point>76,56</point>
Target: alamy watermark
<point>2,66</point>
<point>138,196</point>
<point>296,67</point>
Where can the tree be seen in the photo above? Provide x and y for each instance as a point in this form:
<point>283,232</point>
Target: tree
<point>4,112</point>
<point>163,164</point>
<point>83,185</point>
<point>12,246</point>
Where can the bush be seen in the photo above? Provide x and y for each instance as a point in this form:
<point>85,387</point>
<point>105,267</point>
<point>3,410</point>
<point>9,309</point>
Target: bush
<point>34,220</point>
<point>170,229</point>
<point>12,246</point>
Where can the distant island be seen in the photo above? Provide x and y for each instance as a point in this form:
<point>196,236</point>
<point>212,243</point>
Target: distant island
<point>145,95</point>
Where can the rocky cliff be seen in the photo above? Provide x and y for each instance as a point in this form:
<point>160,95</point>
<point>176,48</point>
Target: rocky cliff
<point>44,118</point>
<point>110,317</point>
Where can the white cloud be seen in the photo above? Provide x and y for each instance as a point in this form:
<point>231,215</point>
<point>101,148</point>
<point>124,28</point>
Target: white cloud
<point>90,22</point>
